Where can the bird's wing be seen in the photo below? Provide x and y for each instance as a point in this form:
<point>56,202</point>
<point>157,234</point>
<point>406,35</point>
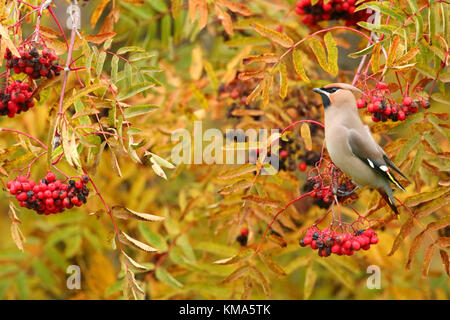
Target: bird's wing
<point>371,156</point>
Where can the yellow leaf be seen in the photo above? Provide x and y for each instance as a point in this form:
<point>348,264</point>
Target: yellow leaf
<point>98,12</point>
<point>319,51</point>
<point>5,37</point>
<point>332,52</point>
<point>306,136</point>
<point>283,80</point>
<point>126,239</point>
<point>275,36</point>
<point>297,57</point>
<point>375,60</point>
<point>310,281</point>
<point>196,67</point>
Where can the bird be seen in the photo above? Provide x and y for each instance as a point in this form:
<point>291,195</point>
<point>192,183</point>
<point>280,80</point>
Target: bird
<point>351,146</point>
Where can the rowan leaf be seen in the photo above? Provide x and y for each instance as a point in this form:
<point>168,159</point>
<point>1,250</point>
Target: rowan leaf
<point>306,136</point>
<point>298,57</point>
<point>283,80</point>
<point>126,239</point>
<point>310,281</point>
<point>277,37</point>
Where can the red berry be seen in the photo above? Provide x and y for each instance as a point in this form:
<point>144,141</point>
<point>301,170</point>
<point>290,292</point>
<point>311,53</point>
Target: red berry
<point>302,166</point>
<point>361,103</point>
<point>284,154</point>
<point>374,240</point>
<point>50,176</point>
<point>244,232</point>
<point>407,101</point>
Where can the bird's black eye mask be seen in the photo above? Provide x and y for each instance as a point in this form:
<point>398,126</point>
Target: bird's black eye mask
<point>325,99</point>
<point>330,90</point>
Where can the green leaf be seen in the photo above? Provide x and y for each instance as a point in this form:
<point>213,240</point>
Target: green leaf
<point>129,49</point>
<point>164,276</point>
<point>154,239</point>
<point>100,63</point>
<point>135,111</point>
<point>134,90</point>
<point>114,68</point>
<point>44,273</point>
<point>383,8</point>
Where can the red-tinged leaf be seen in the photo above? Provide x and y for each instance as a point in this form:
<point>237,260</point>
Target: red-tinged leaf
<point>445,261</point>
<point>432,206</point>
<point>98,12</point>
<point>277,239</point>
<point>225,19</point>
<point>439,224</point>
<point>392,53</point>
<point>234,173</point>
<point>267,57</point>
<point>414,248</point>
<point>408,56</point>
<point>427,260</point>
<point>310,281</point>
<point>405,230</point>
<point>236,274</point>
<point>297,58</point>
<point>275,36</point>
<point>443,241</point>
<point>253,74</point>
<point>100,38</point>
<point>263,201</point>
<point>236,7</point>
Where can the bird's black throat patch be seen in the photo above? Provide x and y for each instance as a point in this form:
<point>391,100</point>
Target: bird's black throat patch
<point>325,100</point>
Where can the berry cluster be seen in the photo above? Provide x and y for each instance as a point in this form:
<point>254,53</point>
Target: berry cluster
<point>15,98</point>
<point>328,183</point>
<point>331,10</point>
<point>34,64</point>
<point>329,241</point>
<point>383,110</point>
<point>49,195</point>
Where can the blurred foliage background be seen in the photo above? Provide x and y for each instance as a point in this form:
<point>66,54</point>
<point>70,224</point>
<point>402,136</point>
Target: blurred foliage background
<point>193,67</point>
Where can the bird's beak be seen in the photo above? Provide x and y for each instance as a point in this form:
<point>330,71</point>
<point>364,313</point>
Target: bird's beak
<point>317,90</point>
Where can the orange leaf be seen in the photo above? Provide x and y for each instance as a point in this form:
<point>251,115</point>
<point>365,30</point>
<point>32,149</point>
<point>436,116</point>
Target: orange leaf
<point>98,12</point>
<point>404,232</point>
<point>427,260</point>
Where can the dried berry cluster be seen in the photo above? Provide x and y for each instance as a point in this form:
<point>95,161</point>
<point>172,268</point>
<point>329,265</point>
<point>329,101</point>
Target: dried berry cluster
<point>238,90</point>
<point>15,98</point>
<point>329,241</point>
<point>34,64</point>
<point>330,10</point>
<point>49,195</point>
<point>383,110</point>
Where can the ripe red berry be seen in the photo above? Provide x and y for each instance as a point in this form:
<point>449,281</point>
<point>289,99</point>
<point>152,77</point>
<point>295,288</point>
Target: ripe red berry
<point>361,103</point>
<point>382,85</point>
<point>302,166</point>
<point>284,154</point>
<point>407,101</point>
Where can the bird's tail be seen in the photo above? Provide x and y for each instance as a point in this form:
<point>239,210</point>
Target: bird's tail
<point>389,199</point>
